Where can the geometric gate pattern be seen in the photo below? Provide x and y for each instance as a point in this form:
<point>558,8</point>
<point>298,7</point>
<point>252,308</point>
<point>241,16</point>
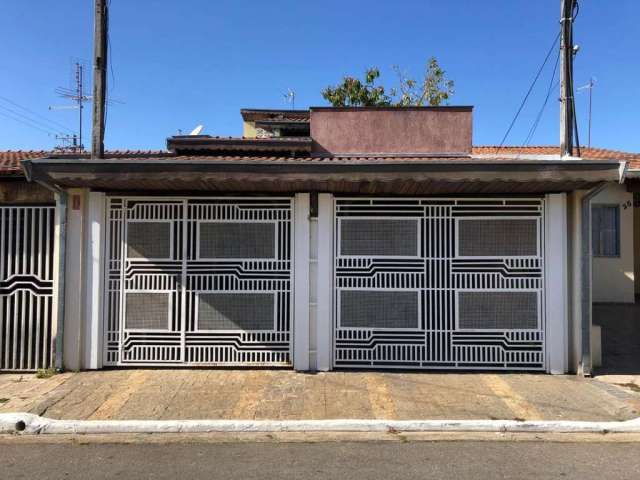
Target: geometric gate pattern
<point>26,287</point>
<point>198,281</point>
<point>439,283</point>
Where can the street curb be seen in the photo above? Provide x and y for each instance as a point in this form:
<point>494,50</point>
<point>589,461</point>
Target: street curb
<point>29,424</point>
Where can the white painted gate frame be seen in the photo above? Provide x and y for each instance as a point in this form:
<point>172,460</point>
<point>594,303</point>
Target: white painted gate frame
<point>316,331</point>
<point>554,292</point>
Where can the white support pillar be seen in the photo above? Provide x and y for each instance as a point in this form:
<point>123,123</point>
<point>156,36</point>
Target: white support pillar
<point>74,281</point>
<point>556,287</point>
<point>94,279</point>
<point>301,282</point>
<point>324,321</point>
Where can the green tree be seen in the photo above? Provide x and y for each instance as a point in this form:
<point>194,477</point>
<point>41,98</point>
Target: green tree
<point>353,92</point>
<point>434,89</point>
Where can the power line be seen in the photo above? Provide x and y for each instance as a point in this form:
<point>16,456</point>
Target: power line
<point>51,124</point>
<point>49,133</point>
<point>524,100</point>
<point>552,86</point>
<point>25,118</point>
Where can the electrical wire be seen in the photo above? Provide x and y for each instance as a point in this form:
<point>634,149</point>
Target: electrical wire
<point>49,133</point>
<point>524,100</point>
<point>552,86</point>
<point>25,119</point>
<point>51,124</point>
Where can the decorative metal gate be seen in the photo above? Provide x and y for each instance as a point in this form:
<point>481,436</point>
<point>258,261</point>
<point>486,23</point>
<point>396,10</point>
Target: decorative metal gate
<point>199,281</point>
<point>439,283</point>
<point>26,287</point>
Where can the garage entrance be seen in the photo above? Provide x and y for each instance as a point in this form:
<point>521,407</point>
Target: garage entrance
<point>198,281</point>
<point>439,283</point>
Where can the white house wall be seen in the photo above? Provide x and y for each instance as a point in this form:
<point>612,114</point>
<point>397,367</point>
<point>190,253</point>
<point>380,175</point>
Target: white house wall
<point>613,277</point>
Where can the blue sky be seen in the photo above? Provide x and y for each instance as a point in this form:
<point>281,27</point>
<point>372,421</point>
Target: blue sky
<point>179,64</point>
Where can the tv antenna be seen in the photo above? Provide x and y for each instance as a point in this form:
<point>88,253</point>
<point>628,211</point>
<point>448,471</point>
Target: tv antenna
<point>73,143</point>
<point>290,98</point>
<point>589,86</point>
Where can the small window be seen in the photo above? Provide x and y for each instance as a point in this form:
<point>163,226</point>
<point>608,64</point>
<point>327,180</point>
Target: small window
<point>605,228</point>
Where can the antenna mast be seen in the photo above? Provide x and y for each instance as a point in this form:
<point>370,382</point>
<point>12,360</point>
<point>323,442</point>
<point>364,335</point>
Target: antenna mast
<point>290,98</point>
<point>589,86</point>
<point>73,143</point>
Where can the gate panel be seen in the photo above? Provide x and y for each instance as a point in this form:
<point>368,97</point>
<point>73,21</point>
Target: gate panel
<point>199,281</point>
<point>26,287</point>
<point>439,283</point>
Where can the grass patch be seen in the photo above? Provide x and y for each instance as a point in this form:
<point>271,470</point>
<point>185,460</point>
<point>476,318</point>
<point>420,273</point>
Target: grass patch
<point>46,373</point>
<point>3,400</point>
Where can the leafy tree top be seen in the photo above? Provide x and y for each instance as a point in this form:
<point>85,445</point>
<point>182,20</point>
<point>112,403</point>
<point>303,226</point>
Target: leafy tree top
<point>433,89</point>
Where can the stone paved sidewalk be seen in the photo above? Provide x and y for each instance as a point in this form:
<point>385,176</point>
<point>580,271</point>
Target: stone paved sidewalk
<point>285,395</point>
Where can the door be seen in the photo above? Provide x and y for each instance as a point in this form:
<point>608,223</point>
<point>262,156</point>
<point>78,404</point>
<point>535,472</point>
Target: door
<point>199,281</point>
<point>439,283</point>
<point>26,287</point>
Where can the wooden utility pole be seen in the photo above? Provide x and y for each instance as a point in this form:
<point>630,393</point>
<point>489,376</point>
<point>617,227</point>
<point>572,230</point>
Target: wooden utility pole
<point>566,77</point>
<point>99,77</point>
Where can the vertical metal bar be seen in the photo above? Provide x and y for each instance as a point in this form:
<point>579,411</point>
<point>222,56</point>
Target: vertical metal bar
<point>183,303</point>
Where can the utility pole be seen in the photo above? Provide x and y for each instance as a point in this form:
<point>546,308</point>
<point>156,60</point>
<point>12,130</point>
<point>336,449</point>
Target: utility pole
<point>99,77</point>
<point>566,77</point>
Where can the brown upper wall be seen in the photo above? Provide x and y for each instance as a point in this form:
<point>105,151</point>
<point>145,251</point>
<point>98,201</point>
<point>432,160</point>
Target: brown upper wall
<point>391,130</point>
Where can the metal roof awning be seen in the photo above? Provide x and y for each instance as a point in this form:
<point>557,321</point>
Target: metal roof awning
<point>395,176</point>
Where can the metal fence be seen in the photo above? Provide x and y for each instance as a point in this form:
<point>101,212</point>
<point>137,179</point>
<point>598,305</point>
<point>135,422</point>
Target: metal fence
<point>26,287</point>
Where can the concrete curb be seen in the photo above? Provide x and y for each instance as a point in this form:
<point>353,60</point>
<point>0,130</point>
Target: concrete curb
<point>30,424</point>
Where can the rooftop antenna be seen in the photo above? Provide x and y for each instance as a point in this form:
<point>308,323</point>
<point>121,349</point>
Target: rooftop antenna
<point>589,86</point>
<point>72,142</point>
<point>290,98</point>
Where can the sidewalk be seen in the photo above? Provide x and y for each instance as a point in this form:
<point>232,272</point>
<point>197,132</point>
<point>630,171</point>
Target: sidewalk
<point>285,395</point>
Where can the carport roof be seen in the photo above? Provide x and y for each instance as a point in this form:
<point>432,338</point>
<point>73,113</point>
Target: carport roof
<point>403,175</point>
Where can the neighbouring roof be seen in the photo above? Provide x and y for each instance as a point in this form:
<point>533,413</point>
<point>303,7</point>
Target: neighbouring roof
<point>181,144</point>
<point>10,159</point>
<point>254,114</point>
<point>586,153</point>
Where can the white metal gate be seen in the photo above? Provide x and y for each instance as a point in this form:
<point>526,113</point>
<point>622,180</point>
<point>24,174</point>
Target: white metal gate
<point>199,281</point>
<point>26,287</point>
<point>439,283</point>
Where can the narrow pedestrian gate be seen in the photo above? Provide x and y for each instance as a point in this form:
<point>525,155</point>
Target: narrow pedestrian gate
<point>26,287</point>
<point>198,281</point>
<point>439,283</point>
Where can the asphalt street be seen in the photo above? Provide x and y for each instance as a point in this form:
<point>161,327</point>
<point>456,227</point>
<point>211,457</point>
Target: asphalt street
<point>343,460</point>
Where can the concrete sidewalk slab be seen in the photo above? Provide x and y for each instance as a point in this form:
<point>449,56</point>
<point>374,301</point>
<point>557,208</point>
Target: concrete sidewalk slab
<point>164,394</point>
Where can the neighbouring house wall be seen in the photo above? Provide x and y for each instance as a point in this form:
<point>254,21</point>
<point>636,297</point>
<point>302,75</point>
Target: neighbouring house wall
<point>613,277</point>
<point>19,191</point>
